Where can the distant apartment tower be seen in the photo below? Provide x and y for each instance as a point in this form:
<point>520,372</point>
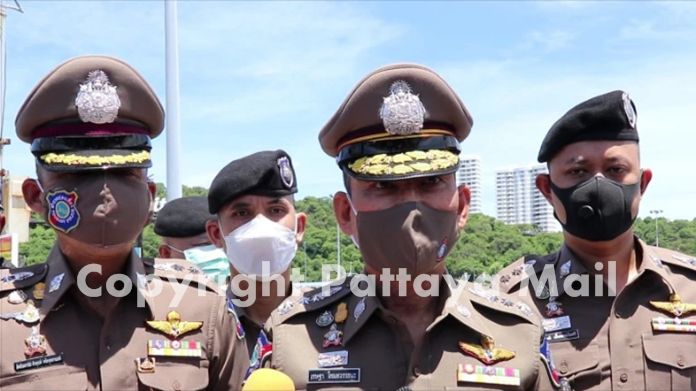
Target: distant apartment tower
<point>518,201</point>
<point>469,173</point>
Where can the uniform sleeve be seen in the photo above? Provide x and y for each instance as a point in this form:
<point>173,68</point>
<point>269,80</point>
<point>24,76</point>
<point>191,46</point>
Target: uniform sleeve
<point>230,356</point>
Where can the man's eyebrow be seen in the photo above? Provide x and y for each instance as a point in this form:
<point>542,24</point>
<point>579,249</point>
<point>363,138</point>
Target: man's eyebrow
<point>576,160</point>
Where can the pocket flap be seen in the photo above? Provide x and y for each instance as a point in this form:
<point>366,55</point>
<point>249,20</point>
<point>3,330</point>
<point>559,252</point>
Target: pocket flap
<point>672,349</point>
<point>176,376</point>
<point>570,361</point>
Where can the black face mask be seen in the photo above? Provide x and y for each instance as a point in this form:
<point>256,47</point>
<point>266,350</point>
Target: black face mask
<point>598,209</point>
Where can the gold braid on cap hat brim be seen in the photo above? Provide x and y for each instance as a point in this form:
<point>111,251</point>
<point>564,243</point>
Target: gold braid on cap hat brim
<point>94,160</point>
<point>411,162</point>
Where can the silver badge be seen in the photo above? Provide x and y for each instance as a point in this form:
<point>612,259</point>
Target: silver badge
<point>630,111</point>
<point>402,112</point>
<point>55,283</point>
<point>97,101</point>
<point>325,319</point>
<point>285,307</point>
<point>17,297</point>
<point>338,358</point>
<point>565,268</point>
<point>359,309</point>
<point>286,174</point>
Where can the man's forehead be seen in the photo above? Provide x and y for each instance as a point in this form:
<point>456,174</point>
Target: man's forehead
<point>252,199</point>
<point>584,151</point>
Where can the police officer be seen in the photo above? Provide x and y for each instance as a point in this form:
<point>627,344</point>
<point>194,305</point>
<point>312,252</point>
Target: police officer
<point>181,225</point>
<point>396,139</point>
<point>619,314</point>
<point>259,228</point>
<point>94,316</point>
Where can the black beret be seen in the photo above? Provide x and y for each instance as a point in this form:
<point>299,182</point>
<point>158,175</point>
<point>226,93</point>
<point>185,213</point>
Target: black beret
<point>183,217</point>
<point>611,116</point>
<point>266,173</point>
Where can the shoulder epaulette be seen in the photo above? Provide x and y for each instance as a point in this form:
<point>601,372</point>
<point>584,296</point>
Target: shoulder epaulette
<point>501,302</point>
<point>23,277</point>
<point>511,276</point>
<point>179,269</point>
<point>671,257</point>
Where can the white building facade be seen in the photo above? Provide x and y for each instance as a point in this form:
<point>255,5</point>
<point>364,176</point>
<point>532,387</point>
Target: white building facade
<point>518,201</point>
<point>469,173</point>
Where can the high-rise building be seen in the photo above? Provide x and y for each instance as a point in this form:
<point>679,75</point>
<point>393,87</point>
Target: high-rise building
<point>518,201</point>
<point>469,173</point>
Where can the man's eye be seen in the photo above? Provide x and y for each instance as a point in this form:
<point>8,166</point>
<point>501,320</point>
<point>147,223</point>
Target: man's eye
<point>277,211</point>
<point>384,185</point>
<point>432,180</point>
<point>240,213</point>
<point>577,171</point>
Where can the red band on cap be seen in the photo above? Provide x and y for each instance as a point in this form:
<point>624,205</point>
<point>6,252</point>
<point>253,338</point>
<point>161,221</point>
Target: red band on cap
<point>87,129</point>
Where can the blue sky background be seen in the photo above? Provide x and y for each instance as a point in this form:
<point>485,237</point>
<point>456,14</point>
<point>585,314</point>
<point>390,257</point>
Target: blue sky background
<point>268,75</point>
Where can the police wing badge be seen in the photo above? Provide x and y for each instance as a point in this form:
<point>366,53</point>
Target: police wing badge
<point>402,112</point>
<point>674,306</point>
<point>174,326</point>
<point>97,101</point>
<point>487,353</point>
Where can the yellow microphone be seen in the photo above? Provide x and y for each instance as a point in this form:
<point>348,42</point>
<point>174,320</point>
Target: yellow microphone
<point>266,379</point>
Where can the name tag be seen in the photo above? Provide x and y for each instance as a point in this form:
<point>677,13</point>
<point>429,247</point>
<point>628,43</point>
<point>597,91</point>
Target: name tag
<point>38,362</point>
<point>556,324</point>
<point>560,336</point>
<point>344,375</point>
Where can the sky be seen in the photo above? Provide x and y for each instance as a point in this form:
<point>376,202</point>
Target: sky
<point>258,76</point>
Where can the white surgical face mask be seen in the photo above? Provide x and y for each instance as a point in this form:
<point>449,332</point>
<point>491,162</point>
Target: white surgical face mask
<point>261,242</point>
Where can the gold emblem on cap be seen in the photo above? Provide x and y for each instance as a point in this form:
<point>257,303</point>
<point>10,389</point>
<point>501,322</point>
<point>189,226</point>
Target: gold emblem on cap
<point>174,326</point>
<point>402,112</point>
<point>94,160</point>
<point>674,306</point>
<point>97,101</point>
<point>487,353</point>
<point>405,163</point>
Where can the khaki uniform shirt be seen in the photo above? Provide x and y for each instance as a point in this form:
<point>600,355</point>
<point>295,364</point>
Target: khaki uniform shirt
<point>606,342</point>
<point>83,351</point>
<point>374,350</point>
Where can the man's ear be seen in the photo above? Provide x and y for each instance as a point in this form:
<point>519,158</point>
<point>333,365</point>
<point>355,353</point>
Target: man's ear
<point>301,221</point>
<point>343,212</point>
<point>464,195</point>
<point>2,222</point>
<point>645,178</point>
<point>212,229</point>
<point>543,183</point>
<point>33,196</point>
<point>164,251</point>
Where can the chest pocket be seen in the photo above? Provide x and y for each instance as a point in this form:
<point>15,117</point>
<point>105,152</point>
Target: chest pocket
<point>670,358</point>
<point>57,378</point>
<point>175,375</point>
<point>574,364</point>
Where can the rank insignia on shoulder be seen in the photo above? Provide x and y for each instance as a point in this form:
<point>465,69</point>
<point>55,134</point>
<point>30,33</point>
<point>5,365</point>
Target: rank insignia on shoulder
<point>488,375</point>
<point>174,326</point>
<point>16,277</point>
<point>145,364</point>
<point>359,309</point>
<point>487,353</point>
<point>674,306</point>
<point>55,282</point>
<point>175,348</point>
<point>675,325</point>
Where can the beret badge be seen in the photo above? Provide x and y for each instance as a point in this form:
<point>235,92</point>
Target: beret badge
<point>97,100</point>
<point>286,174</point>
<point>628,108</point>
<point>402,112</point>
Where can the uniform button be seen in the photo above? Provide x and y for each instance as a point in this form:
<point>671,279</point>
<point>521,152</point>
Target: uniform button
<point>623,378</point>
<point>680,361</point>
<point>563,367</point>
<point>176,385</point>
